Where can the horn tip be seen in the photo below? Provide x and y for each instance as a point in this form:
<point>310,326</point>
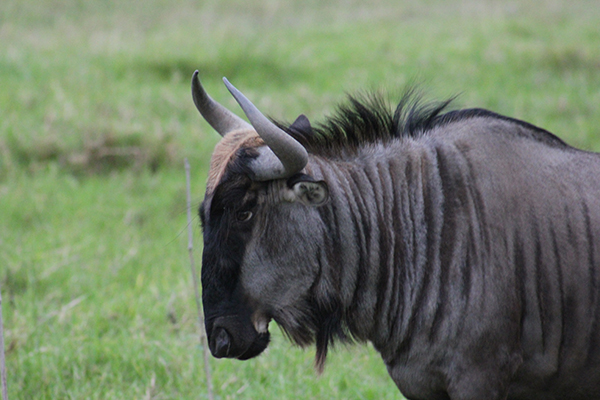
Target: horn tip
<point>234,91</point>
<point>196,84</point>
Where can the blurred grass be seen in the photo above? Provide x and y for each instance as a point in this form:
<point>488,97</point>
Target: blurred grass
<point>96,117</point>
<point>95,85</point>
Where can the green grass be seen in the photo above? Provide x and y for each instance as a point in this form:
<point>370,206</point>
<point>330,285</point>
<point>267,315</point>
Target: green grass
<point>96,117</point>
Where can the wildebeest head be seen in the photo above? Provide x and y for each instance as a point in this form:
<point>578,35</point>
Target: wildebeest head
<point>250,273</point>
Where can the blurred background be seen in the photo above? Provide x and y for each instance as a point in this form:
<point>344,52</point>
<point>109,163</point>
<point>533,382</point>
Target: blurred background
<point>96,118</point>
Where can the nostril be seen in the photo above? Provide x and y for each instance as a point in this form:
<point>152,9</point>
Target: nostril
<point>222,343</point>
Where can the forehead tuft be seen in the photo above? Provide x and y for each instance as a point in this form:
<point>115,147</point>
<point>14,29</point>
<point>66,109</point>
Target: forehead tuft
<point>225,152</point>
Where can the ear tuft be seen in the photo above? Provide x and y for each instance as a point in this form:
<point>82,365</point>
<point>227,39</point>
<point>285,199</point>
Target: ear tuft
<point>311,193</point>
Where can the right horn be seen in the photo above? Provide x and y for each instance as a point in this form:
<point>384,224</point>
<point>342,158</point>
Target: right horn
<point>292,155</point>
<point>221,119</point>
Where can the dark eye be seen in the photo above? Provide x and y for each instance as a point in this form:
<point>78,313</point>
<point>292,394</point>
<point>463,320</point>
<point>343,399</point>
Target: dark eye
<point>244,216</point>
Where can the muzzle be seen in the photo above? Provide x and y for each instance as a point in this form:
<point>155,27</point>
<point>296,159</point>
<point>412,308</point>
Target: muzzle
<point>235,337</point>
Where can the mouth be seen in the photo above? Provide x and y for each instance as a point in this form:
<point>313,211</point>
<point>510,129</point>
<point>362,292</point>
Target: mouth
<point>257,347</point>
<point>261,322</point>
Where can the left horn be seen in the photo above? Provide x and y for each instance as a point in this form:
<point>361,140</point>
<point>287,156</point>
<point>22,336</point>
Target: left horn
<point>290,152</point>
<point>221,119</point>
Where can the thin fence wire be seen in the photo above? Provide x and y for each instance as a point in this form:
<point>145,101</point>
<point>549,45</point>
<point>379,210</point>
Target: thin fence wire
<point>203,342</point>
<point>2,361</point>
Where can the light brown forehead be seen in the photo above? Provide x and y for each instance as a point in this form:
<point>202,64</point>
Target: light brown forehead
<point>225,152</point>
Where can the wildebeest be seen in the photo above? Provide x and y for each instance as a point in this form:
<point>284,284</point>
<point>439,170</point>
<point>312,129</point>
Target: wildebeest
<point>464,245</point>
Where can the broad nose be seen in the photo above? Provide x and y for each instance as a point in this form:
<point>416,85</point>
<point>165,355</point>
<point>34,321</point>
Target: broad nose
<point>221,343</point>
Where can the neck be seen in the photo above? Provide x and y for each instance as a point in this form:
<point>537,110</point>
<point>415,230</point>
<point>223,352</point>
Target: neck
<point>380,230</point>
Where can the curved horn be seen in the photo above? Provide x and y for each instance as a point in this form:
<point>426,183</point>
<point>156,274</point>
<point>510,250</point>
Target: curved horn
<point>220,118</point>
<point>288,150</point>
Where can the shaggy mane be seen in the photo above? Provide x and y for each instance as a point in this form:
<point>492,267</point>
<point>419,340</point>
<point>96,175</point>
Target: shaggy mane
<point>369,118</point>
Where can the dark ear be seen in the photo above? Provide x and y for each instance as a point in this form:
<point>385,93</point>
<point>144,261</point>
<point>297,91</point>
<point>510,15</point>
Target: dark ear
<point>308,191</point>
<point>301,125</point>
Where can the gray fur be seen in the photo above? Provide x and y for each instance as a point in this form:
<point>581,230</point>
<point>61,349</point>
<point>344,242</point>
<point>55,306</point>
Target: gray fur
<point>469,256</point>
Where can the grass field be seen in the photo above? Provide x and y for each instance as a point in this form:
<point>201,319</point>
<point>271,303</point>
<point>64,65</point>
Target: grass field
<point>96,118</point>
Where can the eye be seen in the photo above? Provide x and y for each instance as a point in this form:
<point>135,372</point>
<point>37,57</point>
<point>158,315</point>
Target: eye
<point>243,216</point>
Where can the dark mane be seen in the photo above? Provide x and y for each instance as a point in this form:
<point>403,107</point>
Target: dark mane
<point>369,119</point>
